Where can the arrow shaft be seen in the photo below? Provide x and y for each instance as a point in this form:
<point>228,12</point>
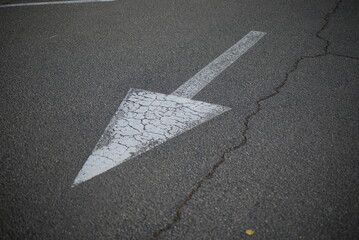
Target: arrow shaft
<point>190,88</point>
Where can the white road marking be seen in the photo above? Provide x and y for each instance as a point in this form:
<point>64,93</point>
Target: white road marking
<point>146,119</point>
<point>143,121</point>
<point>51,3</point>
<point>190,88</point>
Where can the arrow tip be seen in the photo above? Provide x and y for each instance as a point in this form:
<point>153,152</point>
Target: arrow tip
<point>144,120</point>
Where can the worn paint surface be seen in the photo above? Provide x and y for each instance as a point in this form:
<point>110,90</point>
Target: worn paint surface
<point>144,120</point>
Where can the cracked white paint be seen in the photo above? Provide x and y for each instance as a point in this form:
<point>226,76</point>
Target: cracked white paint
<point>144,120</point>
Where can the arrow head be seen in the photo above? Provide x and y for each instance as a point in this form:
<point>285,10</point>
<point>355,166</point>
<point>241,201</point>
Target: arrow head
<point>143,121</point>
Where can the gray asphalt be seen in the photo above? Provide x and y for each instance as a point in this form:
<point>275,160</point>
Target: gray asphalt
<point>290,170</point>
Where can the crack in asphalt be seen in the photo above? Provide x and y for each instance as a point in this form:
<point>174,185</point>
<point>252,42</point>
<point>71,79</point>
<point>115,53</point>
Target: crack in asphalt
<point>177,213</point>
<point>341,55</point>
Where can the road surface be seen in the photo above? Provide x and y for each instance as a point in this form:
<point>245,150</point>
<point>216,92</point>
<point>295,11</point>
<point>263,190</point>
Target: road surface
<point>283,162</point>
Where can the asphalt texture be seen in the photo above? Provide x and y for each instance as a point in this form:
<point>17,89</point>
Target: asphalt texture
<point>283,161</point>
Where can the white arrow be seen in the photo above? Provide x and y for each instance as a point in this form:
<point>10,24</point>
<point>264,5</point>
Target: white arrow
<point>146,119</point>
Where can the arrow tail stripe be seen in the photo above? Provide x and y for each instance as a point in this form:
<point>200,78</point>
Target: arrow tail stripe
<point>190,88</point>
